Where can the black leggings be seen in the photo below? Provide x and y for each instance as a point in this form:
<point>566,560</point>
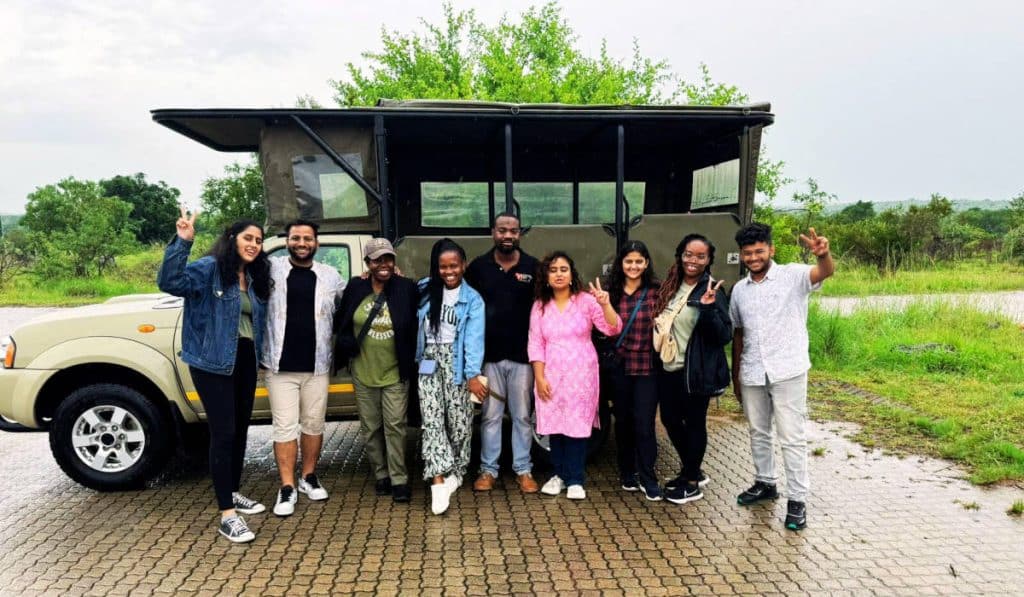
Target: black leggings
<point>635,404</point>
<point>228,402</point>
<point>685,417</point>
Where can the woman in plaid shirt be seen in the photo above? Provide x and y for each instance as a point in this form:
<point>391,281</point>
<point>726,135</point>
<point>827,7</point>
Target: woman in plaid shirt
<point>633,381</point>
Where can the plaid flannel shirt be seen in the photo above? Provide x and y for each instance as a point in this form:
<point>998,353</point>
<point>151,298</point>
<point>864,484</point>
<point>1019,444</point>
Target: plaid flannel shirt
<point>637,350</point>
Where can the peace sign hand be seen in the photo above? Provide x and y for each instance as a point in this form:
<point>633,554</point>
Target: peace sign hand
<point>598,293</point>
<point>186,224</point>
<point>708,298</point>
<point>816,244</point>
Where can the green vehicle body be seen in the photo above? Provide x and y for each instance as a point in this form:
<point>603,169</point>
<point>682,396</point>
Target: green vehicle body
<point>584,179</point>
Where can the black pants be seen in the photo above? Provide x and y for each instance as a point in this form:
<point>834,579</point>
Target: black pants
<point>635,404</point>
<point>685,417</point>
<point>228,403</point>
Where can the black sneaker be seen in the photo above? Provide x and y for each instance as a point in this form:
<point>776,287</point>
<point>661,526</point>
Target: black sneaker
<point>758,491</point>
<point>681,481</point>
<point>382,486</point>
<point>401,493</point>
<point>796,515</point>
<point>629,483</point>
<point>245,505</point>
<point>235,530</point>
<point>684,493</point>
<point>651,491</point>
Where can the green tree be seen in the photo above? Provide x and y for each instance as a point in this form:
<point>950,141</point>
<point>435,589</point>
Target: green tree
<point>238,194</point>
<point>861,210</point>
<point>74,228</point>
<point>534,59</point>
<point>154,205</point>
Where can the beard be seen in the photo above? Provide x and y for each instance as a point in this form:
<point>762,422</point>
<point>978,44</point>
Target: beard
<point>507,250</point>
<point>301,260</point>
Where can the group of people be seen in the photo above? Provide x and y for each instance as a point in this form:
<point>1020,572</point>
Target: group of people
<point>504,330</point>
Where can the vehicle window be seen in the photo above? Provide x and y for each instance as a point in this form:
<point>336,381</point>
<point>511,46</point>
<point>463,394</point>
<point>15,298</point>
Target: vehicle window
<point>337,256</point>
<point>597,201</point>
<point>325,191</point>
<point>716,185</point>
<point>455,204</point>
<point>542,202</point>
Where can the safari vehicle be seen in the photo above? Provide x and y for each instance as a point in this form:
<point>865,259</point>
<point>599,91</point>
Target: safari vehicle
<point>106,380</point>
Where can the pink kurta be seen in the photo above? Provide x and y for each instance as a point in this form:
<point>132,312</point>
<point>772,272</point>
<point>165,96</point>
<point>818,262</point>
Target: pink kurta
<point>561,340</point>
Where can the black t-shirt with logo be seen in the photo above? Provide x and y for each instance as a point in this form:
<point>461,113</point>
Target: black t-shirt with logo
<point>508,297</point>
<point>298,352</point>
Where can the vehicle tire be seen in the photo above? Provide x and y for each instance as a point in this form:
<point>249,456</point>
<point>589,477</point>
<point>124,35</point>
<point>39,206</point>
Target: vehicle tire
<point>110,437</point>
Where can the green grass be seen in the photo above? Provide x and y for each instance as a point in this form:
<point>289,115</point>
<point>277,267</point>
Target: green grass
<point>962,399</point>
<point>853,279</point>
<point>1016,509</point>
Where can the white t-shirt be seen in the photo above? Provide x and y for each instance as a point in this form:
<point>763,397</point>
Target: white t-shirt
<point>446,328</point>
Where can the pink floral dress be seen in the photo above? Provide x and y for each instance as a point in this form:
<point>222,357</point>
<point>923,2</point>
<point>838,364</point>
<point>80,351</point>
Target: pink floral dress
<point>561,340</point>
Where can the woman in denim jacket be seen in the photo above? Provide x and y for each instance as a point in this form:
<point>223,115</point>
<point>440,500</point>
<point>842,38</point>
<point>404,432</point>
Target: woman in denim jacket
<point>450,353</point>
<point>225,296</point>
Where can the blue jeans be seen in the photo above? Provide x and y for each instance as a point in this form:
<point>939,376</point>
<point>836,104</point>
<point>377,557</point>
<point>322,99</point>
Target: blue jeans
<point>786,402</point>
<point>569,457</point>
<point>514,381</point>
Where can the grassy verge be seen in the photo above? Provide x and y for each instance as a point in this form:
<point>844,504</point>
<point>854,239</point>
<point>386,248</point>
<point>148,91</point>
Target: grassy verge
<point>950,377</point>
<point>961,276</point>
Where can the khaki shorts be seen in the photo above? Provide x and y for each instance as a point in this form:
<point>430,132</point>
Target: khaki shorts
<point>298,402</point>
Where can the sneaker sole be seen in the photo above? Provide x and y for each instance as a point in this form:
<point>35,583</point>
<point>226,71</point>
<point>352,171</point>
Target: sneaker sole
<point>656,498</point>
<point>242,539</point>
<point>314,498</point>
<point>283,514</point>
<point>686,500</point>
<point>630,489</point>
<point>797,526</point>
<point>766,498</point>
<point>256,510</point>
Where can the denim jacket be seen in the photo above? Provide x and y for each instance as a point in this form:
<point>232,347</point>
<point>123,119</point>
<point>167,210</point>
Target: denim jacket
<point>468,348</point>
<point>209,334</point>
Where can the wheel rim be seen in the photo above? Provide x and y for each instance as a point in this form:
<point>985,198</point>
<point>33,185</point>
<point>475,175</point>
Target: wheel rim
<point>108,438</point>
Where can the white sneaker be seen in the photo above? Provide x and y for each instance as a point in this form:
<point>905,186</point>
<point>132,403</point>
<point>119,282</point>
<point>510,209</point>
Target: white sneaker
<point>452,482</point>
<point>440,497</point>
<point>286,498</point>
<point>310,486</point>
<point>245,505</point>
<point>576,492</point>
<point>554,486</point>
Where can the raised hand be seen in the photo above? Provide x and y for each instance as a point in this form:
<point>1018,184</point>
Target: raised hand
<point>708,298</point>
<point>600,295</point>
<point>186,224</point>
<point>816,244</point>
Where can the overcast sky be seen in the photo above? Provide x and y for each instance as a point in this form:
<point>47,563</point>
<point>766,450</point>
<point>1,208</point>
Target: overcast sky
<point>876,100</point>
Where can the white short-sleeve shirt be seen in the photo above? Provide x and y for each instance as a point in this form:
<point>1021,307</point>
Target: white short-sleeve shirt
<point>773,315</point>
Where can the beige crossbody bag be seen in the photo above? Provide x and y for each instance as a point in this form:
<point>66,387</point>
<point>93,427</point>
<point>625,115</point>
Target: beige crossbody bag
<point>664,341</point>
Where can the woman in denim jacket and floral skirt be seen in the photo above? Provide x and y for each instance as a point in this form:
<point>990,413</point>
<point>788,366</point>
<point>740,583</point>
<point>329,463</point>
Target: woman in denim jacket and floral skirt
<point>450,353</point>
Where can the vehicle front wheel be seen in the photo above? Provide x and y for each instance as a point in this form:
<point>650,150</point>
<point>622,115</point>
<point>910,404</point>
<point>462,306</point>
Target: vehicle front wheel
<point>110,437</point>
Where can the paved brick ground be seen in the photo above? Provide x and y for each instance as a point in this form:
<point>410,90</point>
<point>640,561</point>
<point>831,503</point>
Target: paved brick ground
<point>878,525</point>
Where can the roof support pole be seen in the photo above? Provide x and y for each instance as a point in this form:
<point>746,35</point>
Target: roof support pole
<point>387,219</point>
<point>337,159</point>
<point>510,200</point>
<point>621,226</point>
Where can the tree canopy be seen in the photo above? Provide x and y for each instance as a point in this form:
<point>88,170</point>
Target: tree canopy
<point>154,205</point>
<point>535,59</point>
<point>238,194</point>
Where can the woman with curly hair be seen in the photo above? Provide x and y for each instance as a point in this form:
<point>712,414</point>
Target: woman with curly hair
<point>225,296</point>
<point>566,378</point>
<point>691,329</point>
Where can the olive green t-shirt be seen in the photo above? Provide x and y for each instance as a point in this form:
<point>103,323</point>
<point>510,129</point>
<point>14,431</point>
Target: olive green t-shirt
<point>376,366</point>
<point>245,321</point>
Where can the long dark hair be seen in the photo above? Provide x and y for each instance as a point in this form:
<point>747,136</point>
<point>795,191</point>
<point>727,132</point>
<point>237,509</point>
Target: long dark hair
<point>225,252</point>
<point>541,290</point>
<point>617,277</point>
<point>674,279</point>
<point>435,286</point>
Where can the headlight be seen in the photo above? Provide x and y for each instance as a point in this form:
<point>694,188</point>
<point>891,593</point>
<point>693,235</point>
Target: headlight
<point>7,349</point>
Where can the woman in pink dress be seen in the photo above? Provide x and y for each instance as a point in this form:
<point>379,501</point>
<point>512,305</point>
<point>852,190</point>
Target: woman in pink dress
<point>565,366</point>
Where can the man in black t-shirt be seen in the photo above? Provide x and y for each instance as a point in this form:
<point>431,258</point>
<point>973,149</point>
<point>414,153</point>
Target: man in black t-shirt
<point>504,277</point>
<point>298,356</point>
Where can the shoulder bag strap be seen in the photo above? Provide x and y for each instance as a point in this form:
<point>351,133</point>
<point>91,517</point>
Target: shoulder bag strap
<point>377,304</point>
<point>632,317</point>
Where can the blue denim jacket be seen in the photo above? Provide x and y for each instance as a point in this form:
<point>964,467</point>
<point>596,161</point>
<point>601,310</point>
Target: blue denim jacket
<point>468,348</point>
<point>209,334</point>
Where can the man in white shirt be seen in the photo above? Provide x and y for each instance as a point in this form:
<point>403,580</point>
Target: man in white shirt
<point>770,360</point>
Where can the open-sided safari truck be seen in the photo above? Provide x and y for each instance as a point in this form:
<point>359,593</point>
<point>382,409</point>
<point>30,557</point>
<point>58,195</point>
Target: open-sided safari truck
<point>106,380</point>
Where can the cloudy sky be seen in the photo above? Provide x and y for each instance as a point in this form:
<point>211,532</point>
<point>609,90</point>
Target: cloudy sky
<point>876,100</point>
